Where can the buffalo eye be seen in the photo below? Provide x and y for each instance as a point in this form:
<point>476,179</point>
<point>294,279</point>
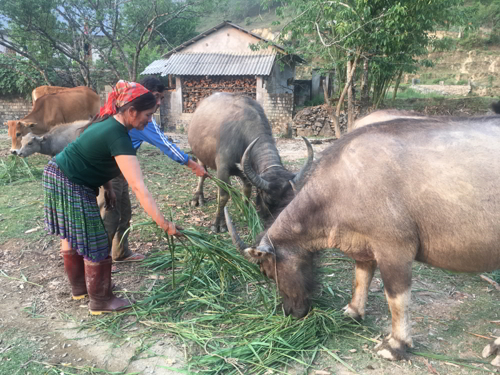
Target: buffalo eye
<point>18,134</point>
<point>30,143</point>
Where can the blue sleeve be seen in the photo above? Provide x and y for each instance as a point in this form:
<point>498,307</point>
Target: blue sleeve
<point>153,135</point>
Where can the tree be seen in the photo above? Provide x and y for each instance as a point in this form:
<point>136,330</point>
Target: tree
<point>59,37</point>
<point>390,33</point>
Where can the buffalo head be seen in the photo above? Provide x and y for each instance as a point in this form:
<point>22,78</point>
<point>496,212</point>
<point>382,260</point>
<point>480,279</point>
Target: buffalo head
<point>291,268</point>
<point>275,185</point>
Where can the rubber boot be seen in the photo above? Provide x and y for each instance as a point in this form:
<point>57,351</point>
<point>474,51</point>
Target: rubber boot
<point>75,269</point>
<point>98,279</point>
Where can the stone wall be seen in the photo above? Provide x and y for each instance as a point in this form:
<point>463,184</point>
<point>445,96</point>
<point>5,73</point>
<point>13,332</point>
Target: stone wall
<point>13,109</point>
<point>315,121</point>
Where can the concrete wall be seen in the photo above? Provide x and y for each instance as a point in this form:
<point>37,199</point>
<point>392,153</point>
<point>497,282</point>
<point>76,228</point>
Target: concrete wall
<point>276,97</point>
<point>172,118</point>
<point>227,39</point>
<point>13,109</point>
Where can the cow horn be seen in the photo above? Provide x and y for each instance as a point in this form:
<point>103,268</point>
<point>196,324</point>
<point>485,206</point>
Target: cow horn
<point>307,165</point>
<point>237,241</point>
<point>254,178</point>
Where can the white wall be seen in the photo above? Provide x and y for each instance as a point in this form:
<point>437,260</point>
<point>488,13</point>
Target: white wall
<point>227,39</point>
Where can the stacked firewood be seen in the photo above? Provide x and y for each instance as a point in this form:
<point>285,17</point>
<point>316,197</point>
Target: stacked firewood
<point>194,89</point>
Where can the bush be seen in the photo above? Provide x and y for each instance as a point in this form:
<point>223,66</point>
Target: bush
<point>317,100</point>
<point>444,44</point>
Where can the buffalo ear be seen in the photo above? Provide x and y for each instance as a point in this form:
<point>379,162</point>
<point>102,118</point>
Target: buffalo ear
<point>40,139</point>
<point>259,253</point>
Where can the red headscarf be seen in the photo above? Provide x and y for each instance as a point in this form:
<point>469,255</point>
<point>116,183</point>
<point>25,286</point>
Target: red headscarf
<point>124,92</point>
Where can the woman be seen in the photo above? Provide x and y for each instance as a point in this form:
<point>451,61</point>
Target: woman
<point>71,181</point>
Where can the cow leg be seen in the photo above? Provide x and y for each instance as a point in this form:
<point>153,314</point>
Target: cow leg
<point>397,283</point>
<point>222,198</point>
<point>493,348</point>
<point>363,276</point>
<point>198,197</point>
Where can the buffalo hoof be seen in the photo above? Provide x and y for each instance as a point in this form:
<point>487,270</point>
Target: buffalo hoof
<point>349,311</point>
<point>198,200</point>
<point>491,349</point>
<point>219,228</point>
<point>392,349</point>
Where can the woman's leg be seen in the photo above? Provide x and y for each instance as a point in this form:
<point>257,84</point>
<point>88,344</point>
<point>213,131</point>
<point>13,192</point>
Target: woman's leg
<point>75,269</point>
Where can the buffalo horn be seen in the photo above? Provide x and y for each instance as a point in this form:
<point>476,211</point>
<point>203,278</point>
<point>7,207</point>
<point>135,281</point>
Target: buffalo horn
<point>254,178</point>
<point>307,165</point>
<point>237,241</point>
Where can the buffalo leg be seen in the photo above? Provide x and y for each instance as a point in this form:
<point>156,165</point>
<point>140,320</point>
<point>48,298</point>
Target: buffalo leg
<point>198,197</point>
<point>222,198</point>
<point>493,348</point>
<point>397,283</point>
<point>362,278</point>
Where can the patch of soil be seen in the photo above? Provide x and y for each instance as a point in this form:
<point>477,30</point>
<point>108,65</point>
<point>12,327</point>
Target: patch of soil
<point>37,303</point>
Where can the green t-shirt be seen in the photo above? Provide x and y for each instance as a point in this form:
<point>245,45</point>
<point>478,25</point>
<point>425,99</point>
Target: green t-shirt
<point>89,160</point>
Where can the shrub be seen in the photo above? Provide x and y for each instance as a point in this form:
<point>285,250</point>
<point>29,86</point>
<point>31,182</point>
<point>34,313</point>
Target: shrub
<point>317,100</point>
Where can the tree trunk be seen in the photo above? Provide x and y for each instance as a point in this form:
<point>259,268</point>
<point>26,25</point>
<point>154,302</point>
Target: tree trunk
<point>364,85</point>
<point>396,86</point>
<point>350,94</point>
<point>326,83</point>
<point>346,87</point>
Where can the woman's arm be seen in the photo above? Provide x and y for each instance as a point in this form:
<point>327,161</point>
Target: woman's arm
<point>129,165</point>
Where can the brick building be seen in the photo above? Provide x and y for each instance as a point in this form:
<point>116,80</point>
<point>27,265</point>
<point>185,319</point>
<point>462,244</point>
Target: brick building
<point>221,60</point>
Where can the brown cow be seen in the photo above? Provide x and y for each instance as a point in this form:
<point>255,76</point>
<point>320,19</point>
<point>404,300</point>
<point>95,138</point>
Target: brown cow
<point>79,103</point>
<point>44,90</point>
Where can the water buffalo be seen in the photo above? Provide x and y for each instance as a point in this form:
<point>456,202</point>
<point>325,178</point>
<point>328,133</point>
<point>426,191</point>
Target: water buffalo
<point>53,142</point>
<point>384,115</point>
<point>386,195</point>
<point>227,129</point>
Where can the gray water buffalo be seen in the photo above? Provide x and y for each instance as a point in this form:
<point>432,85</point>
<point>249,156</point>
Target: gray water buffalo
<point>384,115</point>
<point>227,129</point>
<point>387,195</point>
<point>52,142</point>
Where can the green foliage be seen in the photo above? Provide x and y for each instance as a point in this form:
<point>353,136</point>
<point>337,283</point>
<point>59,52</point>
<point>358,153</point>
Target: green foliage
<point>389,33</point>
<point>55,36</point>
<point>317,100</point>
<point>17,77</point>
<point>444,44</point>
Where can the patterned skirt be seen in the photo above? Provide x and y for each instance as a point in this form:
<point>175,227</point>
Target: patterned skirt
<point>71,211</point>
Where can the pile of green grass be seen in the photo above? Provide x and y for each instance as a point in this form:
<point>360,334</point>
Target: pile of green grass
<point>220,306</point>
<point>14,169</point>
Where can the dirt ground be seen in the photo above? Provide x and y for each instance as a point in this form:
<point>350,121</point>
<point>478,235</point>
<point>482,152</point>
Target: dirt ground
<point>35,303</point>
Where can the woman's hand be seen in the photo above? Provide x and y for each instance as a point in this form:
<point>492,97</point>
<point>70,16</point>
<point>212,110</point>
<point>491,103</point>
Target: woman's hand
<point>172,229</point>
<point>197,169</point>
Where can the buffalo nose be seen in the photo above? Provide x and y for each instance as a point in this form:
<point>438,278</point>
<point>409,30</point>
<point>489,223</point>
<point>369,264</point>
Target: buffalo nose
<point>13,152</point>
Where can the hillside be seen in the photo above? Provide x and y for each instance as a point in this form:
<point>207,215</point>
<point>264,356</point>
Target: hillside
<point>471,59</point>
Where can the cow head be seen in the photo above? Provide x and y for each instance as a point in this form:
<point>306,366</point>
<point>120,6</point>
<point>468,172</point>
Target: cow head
<point>290,267</point>
<point>276,186</point>
<point>16,131</point>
